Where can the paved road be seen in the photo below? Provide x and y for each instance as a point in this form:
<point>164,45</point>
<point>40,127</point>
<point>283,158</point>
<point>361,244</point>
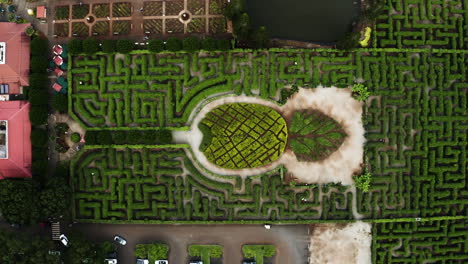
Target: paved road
<point>291,240</point>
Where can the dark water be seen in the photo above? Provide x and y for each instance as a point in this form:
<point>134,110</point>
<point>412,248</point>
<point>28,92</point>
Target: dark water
<point>305,20</point>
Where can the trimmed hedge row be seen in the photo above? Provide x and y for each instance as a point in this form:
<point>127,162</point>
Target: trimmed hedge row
<point>129,137</point>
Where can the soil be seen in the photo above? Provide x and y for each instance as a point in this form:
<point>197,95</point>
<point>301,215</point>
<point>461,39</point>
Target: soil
<point>339,243</point>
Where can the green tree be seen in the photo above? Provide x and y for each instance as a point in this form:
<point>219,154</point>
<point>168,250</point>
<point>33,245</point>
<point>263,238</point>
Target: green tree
<point>38,64</point>
<point>18,201</point>
<point>223,44</point>
<point>191,44</point>
<point>38,81</point>
<point>349,41</point>
<point>234,8</point>
<point>242,26</point>
<point>90,46</point>
<point>108,46</point>
<point>362,182</point>
<point>360,92</point>
<point>38,115</point>
<point>60,103</point>
<point>75,46</point>
<point>39,137</point>
<point>38,97</point>
<point>261,38</point>
<point>125,46</point>
<point>156,45</point>
<point>209,44</point>
<point>38,46</point>
<point>174,44</point>
<point>54,199</point>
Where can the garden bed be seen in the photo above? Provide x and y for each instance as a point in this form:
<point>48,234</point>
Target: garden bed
<point>122,9</point>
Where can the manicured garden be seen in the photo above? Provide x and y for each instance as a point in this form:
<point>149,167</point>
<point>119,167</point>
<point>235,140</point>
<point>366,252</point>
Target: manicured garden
<point>237,136</point>
<point>414,172</point>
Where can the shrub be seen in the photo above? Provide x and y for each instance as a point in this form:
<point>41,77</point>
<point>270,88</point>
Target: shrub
<point>124,46</point>
<point>38,64</point>
<point>260,38</point>
<point>90,46</point>
<point>60,103</point>
<point>75,46</point>
<point>349,41</point>
<point>38,81</point>
<point>38,115</point>
<point>119,137</point>
<point>38,97</point>
<point>360,92</point>
<point>91,138</point>
<point>362,182</point>
<point>108,46</point>
<point>173,44</point>
<point>209,44</point>
<point>104,137</point>
<point>191,44</point>
<point>242,26</point>
<point>75,137</point>
<point>38,137</point>
<point>156,45</point>
<point>223,44</point>
<point>38,46</point>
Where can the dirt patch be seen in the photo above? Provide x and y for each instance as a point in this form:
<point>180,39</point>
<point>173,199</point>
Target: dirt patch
<point>338,243</point>
<point>340,165</point>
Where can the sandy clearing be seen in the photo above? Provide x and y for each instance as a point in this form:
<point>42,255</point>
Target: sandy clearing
<point>335,102</point>
<point>339,166</point>
<point>341,243</point>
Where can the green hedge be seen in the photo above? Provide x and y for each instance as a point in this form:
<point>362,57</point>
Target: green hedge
<point>258,252</point>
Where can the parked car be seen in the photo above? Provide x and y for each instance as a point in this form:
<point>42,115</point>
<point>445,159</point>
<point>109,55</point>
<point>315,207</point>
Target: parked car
<point>196,262</point>
<point>142,261</point>
<point>161,262</point>
<point>64,240</point>
<point>110,261</point>
<point>120,240</point>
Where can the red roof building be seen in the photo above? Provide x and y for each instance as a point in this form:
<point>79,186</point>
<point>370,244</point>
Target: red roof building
<point>14,57</point>
<point>15,142</point>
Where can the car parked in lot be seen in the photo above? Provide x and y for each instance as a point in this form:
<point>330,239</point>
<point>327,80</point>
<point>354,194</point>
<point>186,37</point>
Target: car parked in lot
<point>142,261</point>
<point>161,262</point>
<point>120,240</point>
<point>64,240</point>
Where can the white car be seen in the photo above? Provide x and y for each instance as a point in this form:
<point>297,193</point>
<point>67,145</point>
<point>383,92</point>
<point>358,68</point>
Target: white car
<point>64,240</point>
<point>161,262</point>
<point>110,261</point>
<point>120,240</point>
<point>142,261</point>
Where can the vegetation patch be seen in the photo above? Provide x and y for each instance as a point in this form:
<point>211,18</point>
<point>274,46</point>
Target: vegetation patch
<point>152,252</point>
<point>244,135</point>
<point>205,252</point>
<point>314,136</point>
<point>258,252</point>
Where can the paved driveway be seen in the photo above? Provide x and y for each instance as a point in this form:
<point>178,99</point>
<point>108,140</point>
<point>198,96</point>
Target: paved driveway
<point>291,240</point>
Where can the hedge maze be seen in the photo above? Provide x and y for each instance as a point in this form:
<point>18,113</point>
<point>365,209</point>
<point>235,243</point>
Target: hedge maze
<point>442,241</point>
<point>416,122</point>
<point>422,24</point>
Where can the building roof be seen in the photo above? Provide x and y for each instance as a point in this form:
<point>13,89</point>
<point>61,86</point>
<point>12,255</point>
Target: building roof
<point>15,71</point>
<point>18,163</point>
<point>41,12</point>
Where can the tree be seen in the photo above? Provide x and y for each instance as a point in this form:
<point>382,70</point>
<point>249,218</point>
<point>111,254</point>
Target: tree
<point>261,38</point>
<point>242,26</point>
<point>39,137</point>
<point>38,81</point>
<point>209,44</point>
<point>108,46</point>
<point>54,199</point>
<point>155,45</point>
<point>38,115</point>
<point>173,44</point>
<point>90,46</point>
<point>349,41</point>
<point>223,44</point>
<point>38,64</point>
<point>34,249</point>
<point>360,92</point>
<point>83,251</point>
<point>362,182</point>
<point>17,200</point>
<point>191,44</point>
<point>38,46</point>
<point>75,46</point>
<point>60,103</point>
<point>30,31</point>
<point>124,46</point>
<point>234,8</point>
<point>38,97</point>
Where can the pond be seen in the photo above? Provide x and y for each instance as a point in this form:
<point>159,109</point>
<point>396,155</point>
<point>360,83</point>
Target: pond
<point>304,20</point>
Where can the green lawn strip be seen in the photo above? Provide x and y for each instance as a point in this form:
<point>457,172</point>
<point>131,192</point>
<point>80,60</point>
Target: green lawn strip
<point>258,252</point>
<point>152,252</point>
<point>205,252</point>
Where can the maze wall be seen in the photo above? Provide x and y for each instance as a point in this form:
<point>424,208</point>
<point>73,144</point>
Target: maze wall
<point>151,184</point>
<point>444,241</point>
<point>423,23</point>
<point>416,122</point>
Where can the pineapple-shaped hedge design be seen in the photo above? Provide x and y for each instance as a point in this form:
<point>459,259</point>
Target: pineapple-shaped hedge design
<point>243,135</point>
